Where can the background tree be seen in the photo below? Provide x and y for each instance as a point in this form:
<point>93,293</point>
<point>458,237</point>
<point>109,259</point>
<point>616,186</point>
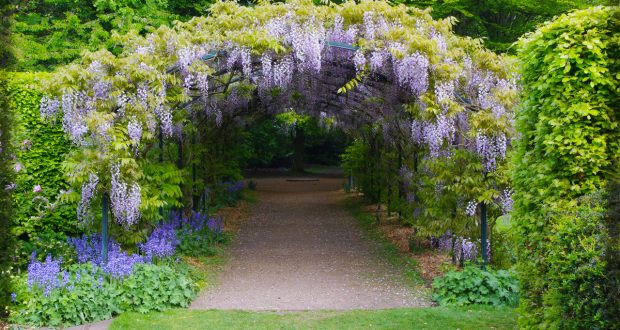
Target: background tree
<point>51,33</point>
<point>500,22</point>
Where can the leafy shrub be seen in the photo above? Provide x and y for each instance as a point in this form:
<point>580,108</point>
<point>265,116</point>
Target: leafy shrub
<point>153,287</point>
<point>476,286</point>
<point>570,136</point>
<point>84,296</point>
<point>576,279</point>
<point>85,293</point>
<point>39,149</point>
<point>6,177</point>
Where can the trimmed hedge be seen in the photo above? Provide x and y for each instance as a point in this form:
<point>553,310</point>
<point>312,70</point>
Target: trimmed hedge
<point>570,137</point>
<point>6,177</point>
<point>39,149</point>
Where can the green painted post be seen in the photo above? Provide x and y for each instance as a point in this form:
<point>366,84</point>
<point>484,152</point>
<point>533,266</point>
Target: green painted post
<point>161,160</point>
<point>105,206</point>
<point>483,234</point>
<point>194,197</point>
<point>181,165</point>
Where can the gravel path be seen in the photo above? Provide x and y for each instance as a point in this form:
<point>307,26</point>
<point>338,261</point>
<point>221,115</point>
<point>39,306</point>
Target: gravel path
<point>300,250</point>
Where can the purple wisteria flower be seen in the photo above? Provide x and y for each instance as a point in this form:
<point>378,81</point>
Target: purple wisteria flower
<point>445,242</point>
<point>49,107</point>
<point>505,201</point>
<point>470,210</point>
<point>412,72</point>
<point>359,60</point>
<point>134,130</point>
<point>89,190</point>
<point>467,249</point>
<point>491,149</point>
<point>125,199</point>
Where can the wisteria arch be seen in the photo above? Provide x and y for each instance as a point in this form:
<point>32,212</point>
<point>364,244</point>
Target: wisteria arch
<point>392,68</point>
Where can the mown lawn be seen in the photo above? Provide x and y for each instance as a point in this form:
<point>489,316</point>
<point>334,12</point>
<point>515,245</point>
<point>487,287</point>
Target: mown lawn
<point>476,318</point>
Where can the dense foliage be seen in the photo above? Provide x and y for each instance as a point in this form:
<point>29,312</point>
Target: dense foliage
<point>570,140</point>
<point>274,141</point>
<point>473,285</point>
<point>48,34</point>
<point>52,33</point>
<point>89,295</point>
<point>500,22</point>
<point>59,292</point>
<point>40,220</point>
<point>6,177</point>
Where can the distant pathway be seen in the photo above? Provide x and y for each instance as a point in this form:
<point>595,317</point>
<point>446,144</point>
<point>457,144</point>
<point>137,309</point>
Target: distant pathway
<point>301,250</point>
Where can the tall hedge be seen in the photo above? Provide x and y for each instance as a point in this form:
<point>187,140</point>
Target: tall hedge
<point>569,141</point>
<point>5,199</point>
<point>39,150</point>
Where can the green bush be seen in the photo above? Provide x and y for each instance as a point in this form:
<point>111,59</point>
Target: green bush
<point>475,286</point>
<point>570,136</point>
<point>576,291</point>
<point>85,298</point>
<point>153,287</point>
<point>6,178</point>
<point>39,221</point>
<point>93,296</point>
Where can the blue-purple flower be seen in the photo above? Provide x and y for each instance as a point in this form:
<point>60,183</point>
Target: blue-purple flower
<point>161,243</point>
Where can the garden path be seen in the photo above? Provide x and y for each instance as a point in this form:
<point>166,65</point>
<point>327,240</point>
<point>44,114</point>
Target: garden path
<point>302,250</point>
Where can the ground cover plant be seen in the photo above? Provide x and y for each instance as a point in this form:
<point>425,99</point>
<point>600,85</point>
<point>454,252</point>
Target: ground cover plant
<point>56,293</point>
<point>473,285</point>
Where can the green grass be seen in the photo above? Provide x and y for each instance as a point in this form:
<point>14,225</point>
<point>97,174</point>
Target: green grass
<point>387,250</point>
<point>410,318</point>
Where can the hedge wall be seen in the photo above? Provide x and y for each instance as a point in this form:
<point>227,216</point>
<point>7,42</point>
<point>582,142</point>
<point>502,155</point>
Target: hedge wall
<point>5,199</point>
<point>39,149</point>
<point>570,140</point>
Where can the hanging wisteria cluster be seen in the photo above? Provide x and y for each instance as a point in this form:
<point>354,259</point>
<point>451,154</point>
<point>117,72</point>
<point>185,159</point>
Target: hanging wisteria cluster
<point>357,63</point>
<point>89,190</point>
<point>125,199</point>
<point>463,249</point>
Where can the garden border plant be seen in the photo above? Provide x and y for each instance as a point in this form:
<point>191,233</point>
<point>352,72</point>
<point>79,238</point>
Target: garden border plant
<point>569,145</point>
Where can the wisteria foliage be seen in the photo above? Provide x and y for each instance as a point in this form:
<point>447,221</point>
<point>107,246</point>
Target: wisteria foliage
<point>358,63</point>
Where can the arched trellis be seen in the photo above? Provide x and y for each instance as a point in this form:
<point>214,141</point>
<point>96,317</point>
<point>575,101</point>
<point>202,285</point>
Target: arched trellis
<point>366,63</point>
